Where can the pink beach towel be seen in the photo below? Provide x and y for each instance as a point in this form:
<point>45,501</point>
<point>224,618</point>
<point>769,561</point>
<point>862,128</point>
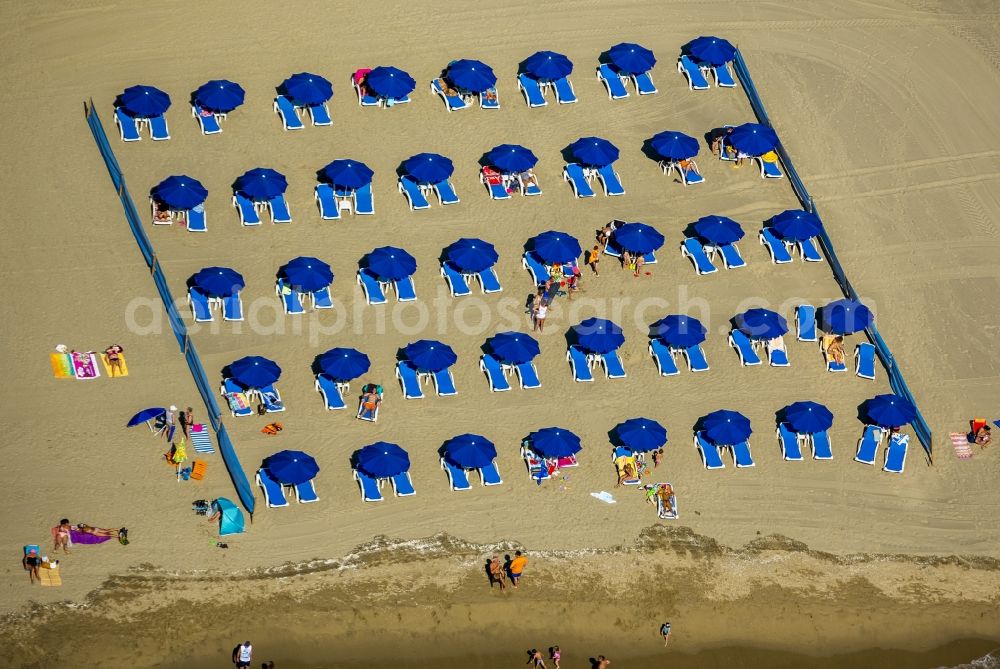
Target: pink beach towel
<point>960,442</point>
<point>85,365</point>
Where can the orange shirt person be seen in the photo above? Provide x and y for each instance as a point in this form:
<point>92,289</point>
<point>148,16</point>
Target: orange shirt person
<point>516,567</point>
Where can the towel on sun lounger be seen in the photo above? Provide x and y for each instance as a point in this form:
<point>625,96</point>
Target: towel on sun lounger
<point>963,449</point>
<point>237,401</point>
<point>107,365</point>
<point>85,365</point>
<point>604,496</point>
<point>78,537</point>
<point>62,365</point>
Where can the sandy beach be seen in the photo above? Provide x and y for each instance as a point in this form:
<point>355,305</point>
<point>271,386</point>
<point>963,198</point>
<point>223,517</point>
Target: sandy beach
<point>886,110</point>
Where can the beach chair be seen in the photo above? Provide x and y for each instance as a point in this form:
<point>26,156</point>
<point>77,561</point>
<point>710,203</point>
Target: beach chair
<point>402,486</point>
<point>731,256</point>
<point>864,360</point>
<point>789,443</point>
<point>320,114</point>
<point>494,183</point>
<point>371,287</point>
<point>775,247</point>
<point>809,252</point>
<point>369,487</point>
<point>330,390</point>
<point>527,375</point>
<point>458,478</point>
<point>456,280</point>
<point>573,174</point>
<point>741,455</point>
<point>564,91</point>
<point>233,392</point>
<point>415,196</point>
<point>644,83</point>
<point>663,358</point>
<point>446,192</point>
<point>327,203</point>
<point>246,209</point>
<point>580,364</point>
<point>274,494</point>
<point>444,383</point>
<point>490,474</point>
<point>322,299</point>
<point>805,322</point>
<point>531,189</point>
<point>777,355</point>
<point>612,364</point>
<point>609,179</point>
<point>488,281</point>
<point>232,308</point>
<point>821,446</point>
<point>494,372</point>
<point>696,80</point>
<point>128,128</point>
<point>831,364</point>
<point>612,82</point>
<point>409,381</point>
<point>158,128</point>
<point>539,272</point>
<point>741,344</point>
<point>364,201</point>
<point>709,452</point>
<point>290,299</point>
<point>285,110</point>
<point>692,248</point>
<point>696,358</point>
<point>306,492</point>
<point>370,415</point>
<point>209,123</point>
<point>279,210</point>
<point>768,169</point>
<point>271,398</point>
<point>868,445</point>
<point>201,308</point>
<point>451,102</point>
<point>895,454</point>
<point>489,99</point>
<point>365,97</point>
<point>537,468</point>
<point>531,90</point>
<point>689,176</point>
<point>196,219</point>
<point>723,77</point>
<point>405,291</point>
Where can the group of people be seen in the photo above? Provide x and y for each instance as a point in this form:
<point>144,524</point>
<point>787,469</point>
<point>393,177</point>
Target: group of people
<point>632,262</point>
<point>62,538</point>
<point>662,495</point>
<point>173,418</point>
<point>720,146</point>
<point>488,96</point>
<point>513,568</point>
<point>512,182</point>
<point>563,280</point>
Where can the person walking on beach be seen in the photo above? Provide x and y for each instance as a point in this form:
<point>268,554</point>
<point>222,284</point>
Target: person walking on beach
<point>541,311</point>
<point>497,574</point>
<point>665,633</point>
<point>243,655</point>
<point>535,656</point>
<point>593,258</point>
<point>555,655</point>
<point>31,562</point>
<point>516,567</point>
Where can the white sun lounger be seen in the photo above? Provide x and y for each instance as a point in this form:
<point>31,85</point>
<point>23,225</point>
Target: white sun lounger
<point>531,90</point>
<point>331,392</point>
<point>709,452</point>
<point>409,381</point>
<point>777,249</point>
<point>612,81</point>
<point>327,203</point>
<point>246,209</point>
<point>527,375</point>
<point>458,478</point>
<point>274,494</point>
<point>414,195</point>
<point>286,111</point>
<point>369,487</point>
<point>644,83</point>
<point>789,443</point>
<point>741,344</point>
<point>696,80</point>
<point>209,123</point>
<point>564,91</point>
<point>371,287</point>
<point>128,128</point>
<point>805,322</point>
<point>573,174</point>
<point>451,102</point>
<point>864,360</point>
<point>457,284</point>
<point>494,373</point>
<point>663,357</point>
<point>581,365</point>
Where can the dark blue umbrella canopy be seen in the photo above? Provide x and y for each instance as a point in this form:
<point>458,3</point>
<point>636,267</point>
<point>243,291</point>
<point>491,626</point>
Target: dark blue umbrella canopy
<point>594,151</point>
<point>471,75</point>
<point>429,168</point>
<point>428,355</point>
<point>554,442</point>
<point>382,460</point>
<point>261,183</point>
<point>808,417</point>
<point>598,335</point>
<point>307,274</point>
<point>390,263</point>
<point>761,324</point>
<point>343,364</point>
<point>753,139</point>
<point>292,467</point>
<point>511,158</point>
<point>845,317</point>
<point>726,427</point>
<point>718,229</point>
<point>711,50</point>
<point>638,237</point>
<point>470,451</point>
<point>681,331</point>
<point>796,225</point>
<point>218,281</point>
<point>890,410</point>
<point>556,247</point>
<point>143,101</point>
<point>179,192</point>
<point>254,371</point>
<point>548,65</point>
<point>513,348</point>
<point>145,415</point>
<point>674,145</point>
<point>471,255</point>
<point>348,173</point>
<point>390,82</point>
<point>219,95</point>
<point>641,434</point>
<point>632,58</point>
<point>307,89</point>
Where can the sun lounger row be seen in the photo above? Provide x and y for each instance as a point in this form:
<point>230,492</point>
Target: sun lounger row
<point>240,399</point>
<point>615,82</point>
<point>697,74</point>
<point>371,488</point>
<point>275,493</point>
<point>411,381</point>
<point>458,477</point>
<point>202,306</point>
<point>331,201</point>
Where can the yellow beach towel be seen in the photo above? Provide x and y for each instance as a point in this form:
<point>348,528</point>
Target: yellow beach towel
<point>50,577</point>
<point>62,365</point>
<point>107,366</point>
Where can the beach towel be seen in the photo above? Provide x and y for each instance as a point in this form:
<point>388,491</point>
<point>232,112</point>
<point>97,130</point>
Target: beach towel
<point>960,442</point>
<point>49,577</point>
<point>85,366</point>
<point>107,365</point>
<point>237,401</point>
<point>62,365</point>
<point>604,496</point>
<point>78,537</point>
<point>272,429</point>
<point>200,439</point>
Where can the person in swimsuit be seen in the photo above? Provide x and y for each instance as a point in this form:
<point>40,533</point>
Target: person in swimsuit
<point>602,662</point>
<point>555,655</point>
<point>657,457</point>
<point>31,562</point>
<point>836,350</point>
<point>497,574</point>
<point>60,534</point>
<point>534,656</point>
<point>983,436</point>
<point>516,567</point>
<point>115,359</point>
<point>370,402</point>
<point>96,531</point>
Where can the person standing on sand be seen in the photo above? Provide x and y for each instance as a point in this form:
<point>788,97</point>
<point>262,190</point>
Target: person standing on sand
<point>665,633</point>
<point>535,656</point>
<point>497,574</point>
<point>556,655</point>
<point>602,662</point>
<point>516,567</point>
<point>243,655</point>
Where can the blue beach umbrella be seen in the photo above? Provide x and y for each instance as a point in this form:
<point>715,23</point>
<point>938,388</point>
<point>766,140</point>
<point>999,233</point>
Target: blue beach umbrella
<point>261,183</point>
<point>230,519</point>
<point>219,95</point>
<point>390,263</point>
<point>292,467</point>
<point>513,348</point>
<point>556,247</point>
<point>179,192</point>
<point>890,410</point>
<point>718,229</point>
<point>390,82</point>
<point>348,173</point>
<point>307,274</point>
<point>548,65</point>
<point>554,442</point>
<point>845,317</point>
<point>594,151</point>
<point>598,335</point>
<point>254,371</point>
<point>471,255</point>
<point>343,364</point>
<point>674,145</point>
<point>471,75</point>
<point>711,50</point>
<point>307,89</point>
<point>470,451</point>
<point>726,427</point>
<point>218,281</point>
<point>145,416</point>
<point>753,139</point>
<point>143,101</point>
<point>632,58</point>
<point>429,168</point>
<point>638,237</point>
<point>681,331</point>
<point>808,417</point>
<point>382,460</point>
<point>761,324</point>
<point>641,434</point>
<point>428,355</point>
<point>511,158</point>
<point>796,225</point>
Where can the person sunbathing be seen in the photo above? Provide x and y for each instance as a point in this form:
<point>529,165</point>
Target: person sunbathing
<point>489,95</point>
<point>835,350</point>
<point>60,534</point>
<point>96,531</point>
<point>370,402</point>
<point>983,436</point>
<point>688,166</point>
<point>626,472</point>
<point>114,358</point>
<point>162,215</point>
<point>528,179</point>
<point>447,88</point>
<point>664,493</point>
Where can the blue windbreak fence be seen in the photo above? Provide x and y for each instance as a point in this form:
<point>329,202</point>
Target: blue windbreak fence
<point>896,381</point>
<point>243,489</point>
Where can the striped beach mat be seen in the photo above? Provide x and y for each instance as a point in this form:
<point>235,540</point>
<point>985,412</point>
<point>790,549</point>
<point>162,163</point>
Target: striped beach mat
<point>960,442</point>
<point>200,439</point>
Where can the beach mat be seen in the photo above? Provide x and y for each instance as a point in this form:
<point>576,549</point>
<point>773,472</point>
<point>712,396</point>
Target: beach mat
<point>62,365</point>
<point>107,365</point>
<point>50,577</point>
<point>960,442</point>
<point>200,440</point>
<point>85,366</point>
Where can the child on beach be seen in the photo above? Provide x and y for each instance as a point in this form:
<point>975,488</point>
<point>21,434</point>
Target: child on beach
<point>555,655</point>
<point>535,656</point>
